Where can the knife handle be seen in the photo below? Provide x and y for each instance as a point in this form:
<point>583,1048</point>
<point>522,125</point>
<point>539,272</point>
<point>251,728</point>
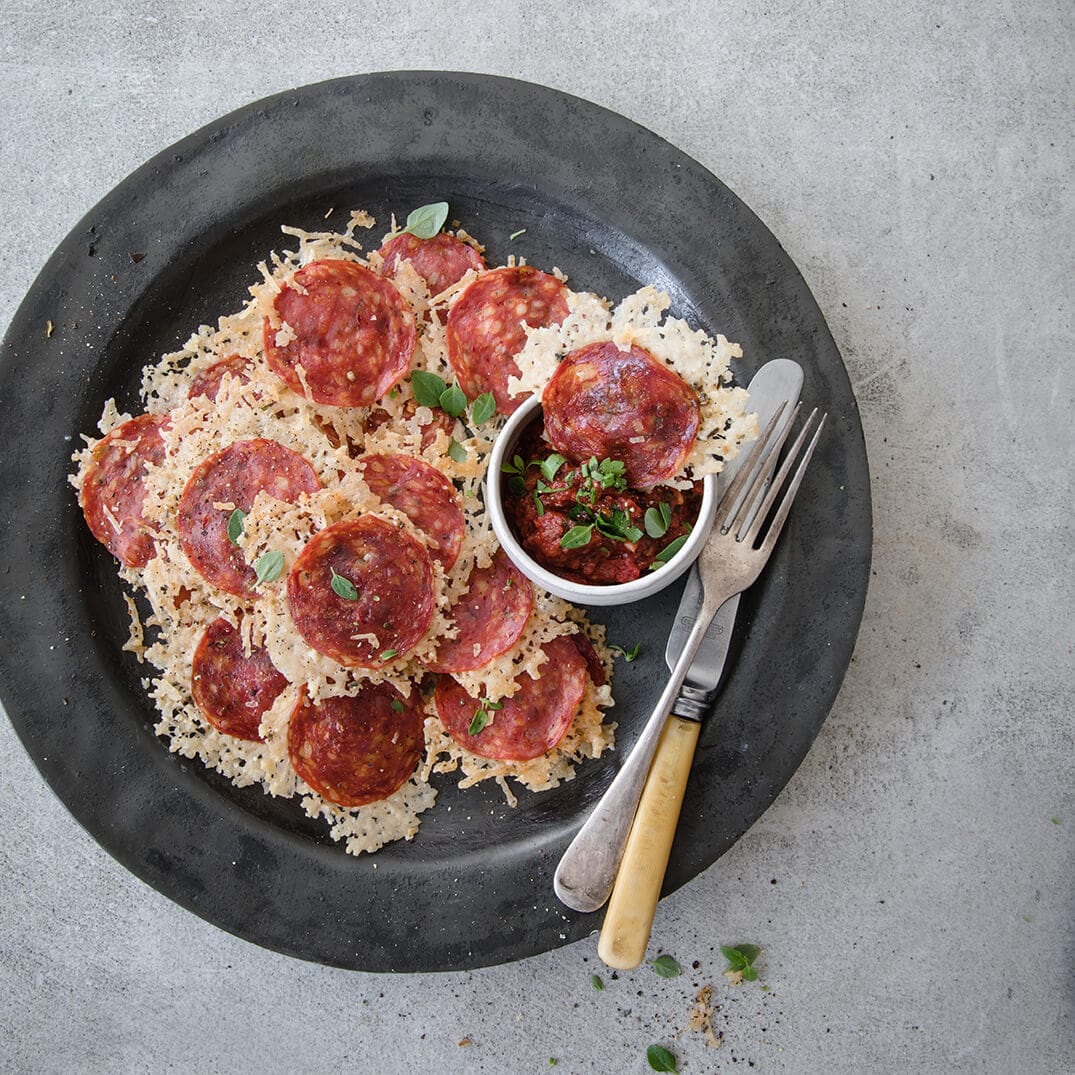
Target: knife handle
<point>633,904</point>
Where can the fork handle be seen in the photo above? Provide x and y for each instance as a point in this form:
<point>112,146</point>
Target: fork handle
<point>633,904</point>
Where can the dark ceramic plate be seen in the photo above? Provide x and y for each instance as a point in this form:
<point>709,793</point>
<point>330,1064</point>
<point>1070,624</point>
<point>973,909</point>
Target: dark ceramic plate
<point>612,205</point>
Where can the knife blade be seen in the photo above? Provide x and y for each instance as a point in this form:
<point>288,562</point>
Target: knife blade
<point>777,381</point>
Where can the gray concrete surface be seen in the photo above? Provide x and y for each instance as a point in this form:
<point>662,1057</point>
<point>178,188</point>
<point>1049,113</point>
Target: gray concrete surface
<point>912,886</point>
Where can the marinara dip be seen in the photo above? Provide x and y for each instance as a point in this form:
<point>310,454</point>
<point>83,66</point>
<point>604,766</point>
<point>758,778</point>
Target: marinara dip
<point>580,520</point>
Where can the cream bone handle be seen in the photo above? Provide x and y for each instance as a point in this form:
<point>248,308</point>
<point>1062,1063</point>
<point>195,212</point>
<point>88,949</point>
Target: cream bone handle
<point>633,904</point>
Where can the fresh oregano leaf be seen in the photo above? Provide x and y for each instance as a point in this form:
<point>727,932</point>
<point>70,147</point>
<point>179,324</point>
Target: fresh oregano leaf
<point>269,565</point>
<point>596,982</point>
<point>480,720</point>
<point>397,705</point>
<point>666,967</point>
<point>576,537</point>
<point>656,525</point>
<point>425,221</point>
<point>389,654</point>
<point>452,401</point>
<point>235,525</point>
<point>427,388</point>
<point>627,654</point>
<point>660,1059</point>
<point>343,587</point>
<point>550,466</point>
<point>668,552</point>
<point>456,451</point>
<point>483,408</point>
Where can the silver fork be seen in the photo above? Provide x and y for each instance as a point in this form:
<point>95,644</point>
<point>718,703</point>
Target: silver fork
<point>730,561</point>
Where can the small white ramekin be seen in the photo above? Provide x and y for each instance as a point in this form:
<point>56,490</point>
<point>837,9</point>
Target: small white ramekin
<point>621,593</point>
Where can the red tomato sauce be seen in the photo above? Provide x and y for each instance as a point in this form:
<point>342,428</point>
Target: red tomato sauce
<point>542,512</point>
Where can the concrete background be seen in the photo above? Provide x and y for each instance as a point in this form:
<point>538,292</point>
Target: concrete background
<point>912,886</point>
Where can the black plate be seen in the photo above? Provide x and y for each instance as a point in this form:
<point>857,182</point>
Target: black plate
<point>611,204</point>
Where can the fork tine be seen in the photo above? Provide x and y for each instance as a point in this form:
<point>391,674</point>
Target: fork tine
<point>789,496</point>
<point>748,509</point>
<point>751,529</point>
<point>730,501</point>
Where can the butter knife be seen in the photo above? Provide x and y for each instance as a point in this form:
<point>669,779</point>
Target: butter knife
<point>587,871</point>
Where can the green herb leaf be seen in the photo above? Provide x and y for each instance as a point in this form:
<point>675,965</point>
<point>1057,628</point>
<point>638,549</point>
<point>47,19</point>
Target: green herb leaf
<point>576,537</point>
<point>235,525</point>
<point>539,508</point>
<point>343,587</point>
<point>666,967</point>
<point>660,1059</point>
<point>452,401</point>
<point>425,221</point>
<point>515,234</point>
<point>740,960</point>
<point>627,654</point>
<point>617,526</point>
<point>610,472</point>
<point>483,408</point>
<point>397,705</point>
<point>427,388</point>
<point>514,466</point>
<point>595,981</point>
<point>457,451</point>
<point>269,565</point>
<point>553,1061</point>
<point>492,705</point>
<point>656,523</point>
<point>389,654</point>
<point>480,720</point>
<point>668,552</point>
<point>736,959</point>
<point>517,485</point>
<point>550,466</point>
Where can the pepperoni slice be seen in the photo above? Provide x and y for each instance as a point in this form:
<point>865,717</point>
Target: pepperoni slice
<point>624,405</point>
<point>440,261</point>
<point>211,379</point>
<point>114,489</point>
<point>354,751</point>
<point>392,577</point>
<point>424,495</point>
<point>486,328</point>
<point>531,722</point>
<point>231,689</point>
<point>491,616</point>
<point>354,334</point>
<point>235,476</point>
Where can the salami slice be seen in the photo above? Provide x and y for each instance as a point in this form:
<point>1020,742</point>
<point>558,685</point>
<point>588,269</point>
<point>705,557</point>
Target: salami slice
<point>211,379</point>
<point>389,574</point>
<point>352,333</point>
<point>231,689</point>
<point>491,616</point>
<point>424,495</point>
<point>354,751</point>
<point>114,492</point>
<point>440,261</point>
<point>486,328</point>
<point>235,476</point>
<point>623,405</point>
<point>531,722</point>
